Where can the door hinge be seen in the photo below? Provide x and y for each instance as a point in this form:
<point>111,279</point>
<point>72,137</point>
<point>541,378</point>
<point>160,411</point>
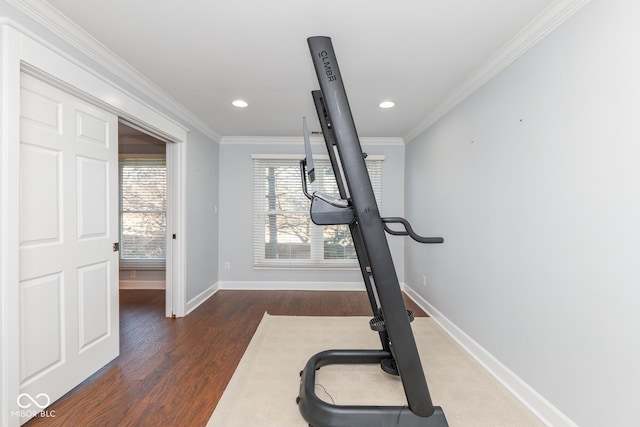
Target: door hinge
<point>116,247</point>
<point>174,237</point>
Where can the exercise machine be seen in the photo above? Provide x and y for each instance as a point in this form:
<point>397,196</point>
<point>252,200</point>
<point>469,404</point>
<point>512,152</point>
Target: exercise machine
<point>358,209</point>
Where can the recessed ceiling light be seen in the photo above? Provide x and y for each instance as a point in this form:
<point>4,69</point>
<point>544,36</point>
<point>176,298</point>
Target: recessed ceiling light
<point>240,103</point>
<point>387,104</point>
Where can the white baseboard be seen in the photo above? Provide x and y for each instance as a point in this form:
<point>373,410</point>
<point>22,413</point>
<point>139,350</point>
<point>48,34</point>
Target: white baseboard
<point>291,286</point>
<point>548,414</point>
<point>195,302</point>
<point>142,284</point>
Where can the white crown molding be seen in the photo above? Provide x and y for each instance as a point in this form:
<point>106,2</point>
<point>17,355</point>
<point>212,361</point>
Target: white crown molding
<point>52,20</point>
<point>541,26</point>
<point>298,140</point>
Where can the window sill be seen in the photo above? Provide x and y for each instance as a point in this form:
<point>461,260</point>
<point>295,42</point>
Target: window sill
<point>305,267</point>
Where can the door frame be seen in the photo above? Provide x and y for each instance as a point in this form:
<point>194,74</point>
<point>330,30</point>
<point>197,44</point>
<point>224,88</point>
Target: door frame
<point>23,53</point>
<point>174,300</point>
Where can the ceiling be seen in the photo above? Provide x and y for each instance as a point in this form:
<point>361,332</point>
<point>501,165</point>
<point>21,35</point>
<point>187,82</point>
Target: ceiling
<point>206,54</point>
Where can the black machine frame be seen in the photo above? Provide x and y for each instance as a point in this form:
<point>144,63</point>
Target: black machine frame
<point>358,208</point>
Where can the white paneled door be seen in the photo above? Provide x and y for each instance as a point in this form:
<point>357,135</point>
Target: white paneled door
<point>68,226</point>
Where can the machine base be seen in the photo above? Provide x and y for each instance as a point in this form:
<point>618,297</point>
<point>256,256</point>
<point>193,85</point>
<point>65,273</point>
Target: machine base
<point>319,413</point>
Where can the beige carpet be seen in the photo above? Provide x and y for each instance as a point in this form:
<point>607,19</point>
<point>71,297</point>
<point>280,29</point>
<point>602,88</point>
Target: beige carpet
<point>264,387</point>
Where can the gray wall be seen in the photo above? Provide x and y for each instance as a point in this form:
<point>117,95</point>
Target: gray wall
<point>236,214</point>
<point>534,183</point>
<point>202,213</point>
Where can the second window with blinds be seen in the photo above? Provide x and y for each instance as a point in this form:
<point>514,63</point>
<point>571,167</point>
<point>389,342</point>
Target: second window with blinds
<point>143,213</point>
<point>284,235</point>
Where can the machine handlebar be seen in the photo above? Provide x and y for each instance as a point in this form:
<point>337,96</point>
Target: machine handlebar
<point>303,176</point>
<point>408,231</point>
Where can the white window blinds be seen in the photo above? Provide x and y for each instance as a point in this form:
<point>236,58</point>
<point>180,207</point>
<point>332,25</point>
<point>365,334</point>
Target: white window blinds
<point>284,235</point>
<point>143,206</point>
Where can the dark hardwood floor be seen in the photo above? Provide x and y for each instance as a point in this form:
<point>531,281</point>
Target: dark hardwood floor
<point>172,372</point>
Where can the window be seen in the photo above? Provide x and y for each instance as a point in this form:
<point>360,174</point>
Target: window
<point>143,209</point>
<point>284,235</point>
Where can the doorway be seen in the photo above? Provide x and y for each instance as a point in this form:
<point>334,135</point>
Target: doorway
<point>143,210</point>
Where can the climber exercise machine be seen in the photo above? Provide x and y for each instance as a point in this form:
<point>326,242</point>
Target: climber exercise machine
<point>358,209</point>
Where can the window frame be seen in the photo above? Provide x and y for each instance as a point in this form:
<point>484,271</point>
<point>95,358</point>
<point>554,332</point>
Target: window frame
<point>141,263</point>
<point>316,259</point>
